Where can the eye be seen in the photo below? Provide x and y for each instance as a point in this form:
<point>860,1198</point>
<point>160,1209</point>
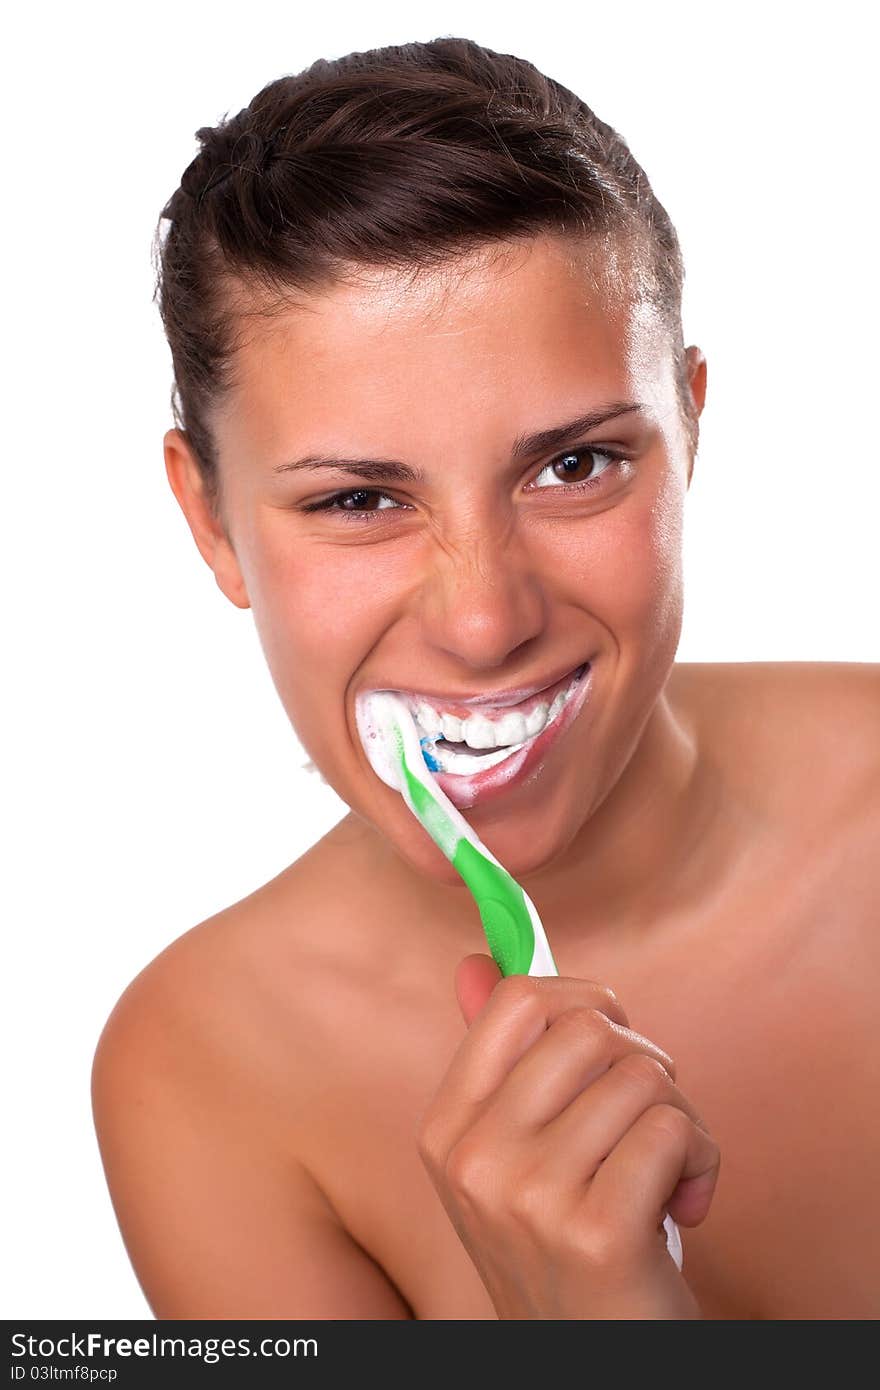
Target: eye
<point>361,500</point>
<point>597,462</point>
<point>362,505</point>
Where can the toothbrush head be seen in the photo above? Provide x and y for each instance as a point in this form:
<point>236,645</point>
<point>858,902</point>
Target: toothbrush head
<point>401,759</point>
<point>378,714</point>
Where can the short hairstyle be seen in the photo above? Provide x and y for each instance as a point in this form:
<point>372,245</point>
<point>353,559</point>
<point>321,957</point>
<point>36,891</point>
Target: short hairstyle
<point>406,156</point>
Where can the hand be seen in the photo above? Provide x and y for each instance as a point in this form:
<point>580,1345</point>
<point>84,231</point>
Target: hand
<point>557,1142</point>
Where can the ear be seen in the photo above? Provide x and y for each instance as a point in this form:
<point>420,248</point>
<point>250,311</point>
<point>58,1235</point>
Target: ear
<point>209,532</point>
<point>696,370</point>
<point>696,374</point>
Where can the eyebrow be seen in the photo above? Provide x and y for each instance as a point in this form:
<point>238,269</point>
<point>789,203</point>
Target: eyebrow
<point>541,441</point>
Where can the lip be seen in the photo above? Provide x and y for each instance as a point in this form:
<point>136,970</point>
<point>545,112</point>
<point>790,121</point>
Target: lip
<point>501,699</point>
<point>465,791</point>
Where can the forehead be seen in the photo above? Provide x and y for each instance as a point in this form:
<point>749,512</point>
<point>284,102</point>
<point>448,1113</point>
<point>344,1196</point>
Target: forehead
<point>512,323</point>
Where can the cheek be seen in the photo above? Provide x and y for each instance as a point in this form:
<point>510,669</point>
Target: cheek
<point>625,566</point>
<point>317,609</point>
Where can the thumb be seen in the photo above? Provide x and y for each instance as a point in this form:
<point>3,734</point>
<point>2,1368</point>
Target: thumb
<point>475,978</point>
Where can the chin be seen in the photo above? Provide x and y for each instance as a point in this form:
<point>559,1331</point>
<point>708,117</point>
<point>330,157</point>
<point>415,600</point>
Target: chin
<point>521,841</point>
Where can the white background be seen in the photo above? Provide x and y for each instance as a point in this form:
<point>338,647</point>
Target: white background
<point>151,776</point>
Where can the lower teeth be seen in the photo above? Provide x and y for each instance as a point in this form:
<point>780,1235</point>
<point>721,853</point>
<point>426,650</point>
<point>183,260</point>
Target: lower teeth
<point>461,760</point>
<point>475,759</point>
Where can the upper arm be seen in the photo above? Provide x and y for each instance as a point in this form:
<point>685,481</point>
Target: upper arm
<point>218,1221</point>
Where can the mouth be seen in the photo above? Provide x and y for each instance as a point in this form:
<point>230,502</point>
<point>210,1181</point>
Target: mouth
<point>493,748</point>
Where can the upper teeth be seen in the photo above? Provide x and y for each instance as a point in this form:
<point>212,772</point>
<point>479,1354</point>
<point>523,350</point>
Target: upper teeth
<point>478,731</point>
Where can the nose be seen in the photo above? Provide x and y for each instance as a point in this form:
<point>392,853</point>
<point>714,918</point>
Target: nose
<point>482,599</point>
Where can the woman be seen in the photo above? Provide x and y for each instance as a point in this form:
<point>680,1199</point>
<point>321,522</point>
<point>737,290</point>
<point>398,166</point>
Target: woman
<point>435,427</point>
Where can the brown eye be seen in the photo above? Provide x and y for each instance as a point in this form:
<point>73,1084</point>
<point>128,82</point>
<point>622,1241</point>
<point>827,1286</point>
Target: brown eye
<point>358,500</point>
<point>361,500</point>
<point>577,466</point>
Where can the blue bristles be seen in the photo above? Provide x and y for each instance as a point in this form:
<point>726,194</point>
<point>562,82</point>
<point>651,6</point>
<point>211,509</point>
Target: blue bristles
<point>427,745</point>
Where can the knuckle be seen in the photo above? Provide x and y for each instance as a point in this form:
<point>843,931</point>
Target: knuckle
<point>515,988</point>
<point>529,1204</point>
<point>608,996</point>
<point>598,1244</point>
<point>667,1123</point>
<point>701,1125</point>
<point>586,1025</point>
<point>471,1171</point>
<point>645,1071</point>
<point>517,993</point>
<point>715,1152</point>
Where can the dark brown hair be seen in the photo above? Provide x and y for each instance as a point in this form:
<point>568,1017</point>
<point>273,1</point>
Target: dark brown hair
<point>408,156</point>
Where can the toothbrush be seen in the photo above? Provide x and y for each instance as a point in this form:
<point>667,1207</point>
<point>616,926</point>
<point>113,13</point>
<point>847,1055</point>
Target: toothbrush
<point>512,927</point>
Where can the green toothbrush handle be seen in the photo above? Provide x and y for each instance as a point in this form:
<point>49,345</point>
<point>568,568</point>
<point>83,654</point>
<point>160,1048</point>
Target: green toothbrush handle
<point>505,911</point>
<point>502,908</point>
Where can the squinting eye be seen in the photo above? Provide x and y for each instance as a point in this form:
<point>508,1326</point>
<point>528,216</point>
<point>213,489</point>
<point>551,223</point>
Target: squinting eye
<point>359,497</point>
<point>356,504</point>
<point>579,459</point>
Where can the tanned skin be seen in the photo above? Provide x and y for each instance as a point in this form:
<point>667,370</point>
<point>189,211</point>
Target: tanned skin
<point>323,1102</point>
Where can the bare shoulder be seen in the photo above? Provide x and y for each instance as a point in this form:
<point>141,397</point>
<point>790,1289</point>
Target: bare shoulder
<point>813,727</point>
<point>235,975</point>
<point>854,680</point>
<point>799,744</point>
<point>204,1075</point>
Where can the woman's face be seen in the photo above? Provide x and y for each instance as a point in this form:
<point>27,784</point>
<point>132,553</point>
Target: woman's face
<point>464,556</point>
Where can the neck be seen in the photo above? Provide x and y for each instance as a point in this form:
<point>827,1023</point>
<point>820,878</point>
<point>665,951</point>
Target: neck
<point>650,848</point>
<point>653,850</point>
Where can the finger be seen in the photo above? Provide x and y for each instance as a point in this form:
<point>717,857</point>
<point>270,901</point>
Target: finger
<point>565,1064</point>
<point>518,1011</point>
<point>475,978</point>
<point>633,1188</point>
<point>582,1137</point>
